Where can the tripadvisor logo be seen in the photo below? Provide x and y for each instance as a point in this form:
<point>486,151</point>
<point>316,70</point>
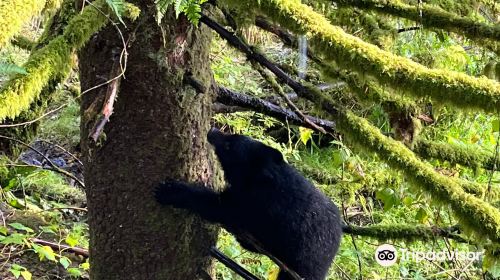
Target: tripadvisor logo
<point>386,255</point>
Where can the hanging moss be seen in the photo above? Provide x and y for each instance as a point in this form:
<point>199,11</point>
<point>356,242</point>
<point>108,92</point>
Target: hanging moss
<point>350,52</point>
<point>431,17</point>
<point>14,13</point>
<point>456,154</point>
<point>51,60</point>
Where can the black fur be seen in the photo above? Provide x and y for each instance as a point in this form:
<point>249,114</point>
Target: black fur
<point>268,200</point>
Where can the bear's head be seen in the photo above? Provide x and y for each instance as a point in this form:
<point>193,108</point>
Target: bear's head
<point>242,157</point>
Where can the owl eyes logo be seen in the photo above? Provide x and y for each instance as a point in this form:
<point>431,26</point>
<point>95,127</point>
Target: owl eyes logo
<point>386,255</point>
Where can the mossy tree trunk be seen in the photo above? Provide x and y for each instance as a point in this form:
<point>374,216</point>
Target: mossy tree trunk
<point>158,130</point>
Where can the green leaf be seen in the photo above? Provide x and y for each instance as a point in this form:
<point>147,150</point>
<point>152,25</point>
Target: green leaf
<point>71,240</point>
<point>15,272</point>
<point>305,134</point>
<point>492,265</point>
<point>8,68</point>
<point>178,7</point>
<point>422,215</point>
<point>85,265</point>
<point>193,12</point>
<point>337,158</point>
<point>26,275</point>
<point>388,197</point>
<point>16,203</point>
<point>3,230</point>
<point>46,252</point>
<point>18,267</point>
<point>12,183</point>
<point>161,8</point>
<point>22,227</point>
<point>495,124</point>
<point>65,262</point>
<point>49,229</point>
<point>118,7</point>
<point>74,272</point>
<point>14,238</point>
<point>407,201</point>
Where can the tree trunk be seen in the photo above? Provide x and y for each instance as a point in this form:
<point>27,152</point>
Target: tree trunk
<point>158,130</point>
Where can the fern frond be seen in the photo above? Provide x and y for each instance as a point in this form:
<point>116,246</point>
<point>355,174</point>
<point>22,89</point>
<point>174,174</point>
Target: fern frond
<point>8,68</point>
<point>161,8</point>
<point>118,7</point>
<point>191,8</point>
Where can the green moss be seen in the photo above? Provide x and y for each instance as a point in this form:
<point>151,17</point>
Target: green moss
<point>14,13</point>
<point>132,12</point>
<point>51,60</point>
<point>48,184</point>
<point>480,190</point>
<point>56,24</point>
<point>400,73</point>
<point>477,215</point>
<point>401,232</point>
<point>23,42</point>
<point>465,155</point>
<point>18,93</point>
<point>431,16</point>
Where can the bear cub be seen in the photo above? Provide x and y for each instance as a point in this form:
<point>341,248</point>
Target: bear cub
<point>266,201</point>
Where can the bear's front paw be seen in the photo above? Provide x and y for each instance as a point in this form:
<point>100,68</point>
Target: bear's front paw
<point>170,192</point>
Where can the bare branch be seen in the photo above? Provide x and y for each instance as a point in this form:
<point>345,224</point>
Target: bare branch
<point>60,247</point>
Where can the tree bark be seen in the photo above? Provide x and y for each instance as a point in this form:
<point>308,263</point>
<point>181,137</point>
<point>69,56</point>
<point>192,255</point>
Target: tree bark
<point>157,130</point>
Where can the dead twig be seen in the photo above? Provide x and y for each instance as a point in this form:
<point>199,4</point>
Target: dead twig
<point>247,238</point>
<point>232,98</point>
<point>34,120</point>
<point>279,90</point>
<point>60,247</point>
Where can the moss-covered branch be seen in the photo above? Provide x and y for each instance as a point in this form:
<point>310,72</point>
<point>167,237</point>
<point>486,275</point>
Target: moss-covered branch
<point>431,16</point>
<point>400,73</point>
<point>480,190</point>
<point>18,93</point>
<point>14,13</point>
<point>477,215</point>
<point>54,27</point>
<point>23,42</point>
<point>456,154</point>
<point>404,232</point>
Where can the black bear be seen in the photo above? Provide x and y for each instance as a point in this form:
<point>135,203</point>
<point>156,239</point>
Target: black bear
<point>266,202</point>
